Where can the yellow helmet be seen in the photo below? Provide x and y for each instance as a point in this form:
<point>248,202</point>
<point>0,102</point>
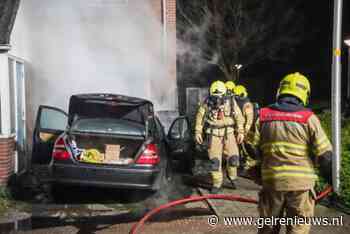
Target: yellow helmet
<point>217,88</point>
<point>297,85</point>
<point>230,85</point>
<point>241,91</point>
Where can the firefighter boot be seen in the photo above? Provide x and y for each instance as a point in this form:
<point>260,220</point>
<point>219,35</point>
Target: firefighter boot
<point>216,190</point>
<point>232,165</point>
<point>232,182</point>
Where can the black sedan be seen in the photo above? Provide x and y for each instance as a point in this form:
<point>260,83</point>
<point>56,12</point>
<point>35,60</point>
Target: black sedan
<point>107,140</point>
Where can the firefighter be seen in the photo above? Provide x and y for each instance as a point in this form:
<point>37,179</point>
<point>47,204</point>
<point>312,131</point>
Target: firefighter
<point>245,105</point>
<point>285,134</point>
<point>247,109</point>
<point>217,121</point>
<point>230,87</point>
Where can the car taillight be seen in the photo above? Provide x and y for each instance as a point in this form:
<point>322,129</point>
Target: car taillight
<point>60,151</point>
<point>149,156</point>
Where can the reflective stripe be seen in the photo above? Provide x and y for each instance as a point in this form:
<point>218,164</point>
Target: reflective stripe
<point>321,141</point>
<point>217,178</point>
<point>289,171</point>
<point>321,149</point>
<point>289,168</point>
<point>289,174</point>
<point>321,145</point>
<point>286,144</point>
<point>285,148</point>
<point>268,114</point>
<point>219,132</point>
<point>285,151</point>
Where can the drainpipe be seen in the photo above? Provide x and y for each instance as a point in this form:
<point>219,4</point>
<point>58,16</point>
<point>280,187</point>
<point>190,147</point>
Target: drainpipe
<point>165,36</point>
<point>336,94</point>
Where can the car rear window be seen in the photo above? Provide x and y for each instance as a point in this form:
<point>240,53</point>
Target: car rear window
<point>111,110</point>
<point>108,126</point>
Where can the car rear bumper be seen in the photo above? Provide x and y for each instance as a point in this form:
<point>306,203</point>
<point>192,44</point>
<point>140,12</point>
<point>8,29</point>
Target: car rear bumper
<point>100,176</point>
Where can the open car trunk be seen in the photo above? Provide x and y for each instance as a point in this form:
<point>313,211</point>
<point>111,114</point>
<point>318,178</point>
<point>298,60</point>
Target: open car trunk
<point>106,141</point>
<point>98,149</point>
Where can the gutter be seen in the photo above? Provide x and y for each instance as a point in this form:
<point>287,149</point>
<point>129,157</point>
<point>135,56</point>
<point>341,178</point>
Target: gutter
<point>4,48</point>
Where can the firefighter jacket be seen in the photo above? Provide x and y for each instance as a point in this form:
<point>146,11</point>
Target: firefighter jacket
<point>247,110</point>
<point>219,121</point>
<point>289,143</point>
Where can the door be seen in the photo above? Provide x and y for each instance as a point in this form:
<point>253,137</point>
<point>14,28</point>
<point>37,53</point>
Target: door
<point>179,138</point>
<point>18,110</point>
<point>50,123</point>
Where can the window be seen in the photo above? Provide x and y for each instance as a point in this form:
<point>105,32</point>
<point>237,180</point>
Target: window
<point>180,129</point>
<point>53,119</point>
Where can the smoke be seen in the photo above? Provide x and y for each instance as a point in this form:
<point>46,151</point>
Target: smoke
<point>193,50</point>
<point>80,46</point>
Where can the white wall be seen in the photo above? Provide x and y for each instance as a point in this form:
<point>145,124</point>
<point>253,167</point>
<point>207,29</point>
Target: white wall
<point>77,46</point>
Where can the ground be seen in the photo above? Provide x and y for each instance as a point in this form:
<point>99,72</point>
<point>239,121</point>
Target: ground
<point>101,211</point>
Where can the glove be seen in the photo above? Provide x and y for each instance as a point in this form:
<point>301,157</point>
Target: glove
<point>325,161</point>
<point>255,174</point>
<point>199,138</point>
<point>240,138</point>
<point>253,151</point>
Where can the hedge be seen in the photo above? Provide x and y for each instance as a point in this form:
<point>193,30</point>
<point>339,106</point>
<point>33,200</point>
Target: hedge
<point>344,196</point>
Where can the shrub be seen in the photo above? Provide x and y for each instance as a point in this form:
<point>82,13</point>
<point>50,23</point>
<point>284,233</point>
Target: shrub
<point>4,199</point>
<point>325,118</point>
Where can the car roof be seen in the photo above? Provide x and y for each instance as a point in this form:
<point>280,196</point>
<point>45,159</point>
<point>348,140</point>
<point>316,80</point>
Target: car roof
<point>111,97</point>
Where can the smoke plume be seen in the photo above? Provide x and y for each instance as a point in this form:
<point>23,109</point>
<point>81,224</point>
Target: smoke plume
<point>80,46</point>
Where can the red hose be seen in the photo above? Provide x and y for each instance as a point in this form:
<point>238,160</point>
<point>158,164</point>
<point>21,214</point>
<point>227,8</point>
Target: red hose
<point>324,193</point>
<point>140,223</point>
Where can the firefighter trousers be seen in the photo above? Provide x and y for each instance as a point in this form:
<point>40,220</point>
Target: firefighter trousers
<point>288,204</point>
<point>223,146</point>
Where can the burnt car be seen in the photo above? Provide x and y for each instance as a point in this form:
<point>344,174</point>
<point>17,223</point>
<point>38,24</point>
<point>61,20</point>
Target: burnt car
<point>107,140</point>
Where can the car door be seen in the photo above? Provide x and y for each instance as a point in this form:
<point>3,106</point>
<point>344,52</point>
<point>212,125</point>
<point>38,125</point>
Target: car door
<point>50,123</point>
<point>179,138</point>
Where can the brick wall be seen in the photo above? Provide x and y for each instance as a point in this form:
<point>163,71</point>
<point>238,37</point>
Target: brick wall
<point>171,37</point>
<point>171,14</point>
<point>7,146</point>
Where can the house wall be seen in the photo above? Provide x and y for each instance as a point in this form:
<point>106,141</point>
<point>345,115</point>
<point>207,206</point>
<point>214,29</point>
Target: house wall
<point>7,155</point>
<point>7,140</point>
<point>84,46</point>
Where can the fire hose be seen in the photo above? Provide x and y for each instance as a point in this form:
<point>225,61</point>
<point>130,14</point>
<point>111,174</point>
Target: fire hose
<point>238,198</point>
